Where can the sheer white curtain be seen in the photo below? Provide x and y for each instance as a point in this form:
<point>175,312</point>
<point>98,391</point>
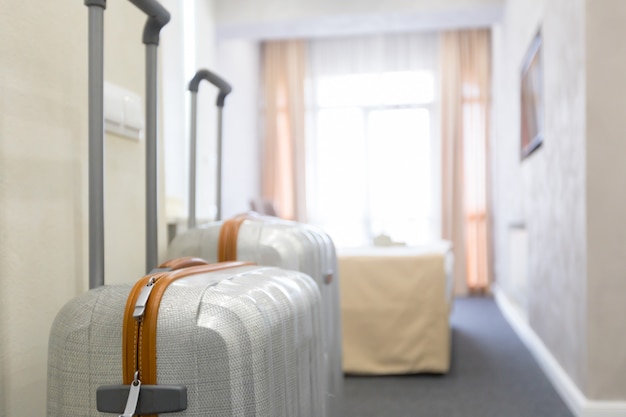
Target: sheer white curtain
<point>466,63</point>
<point>372,138</point>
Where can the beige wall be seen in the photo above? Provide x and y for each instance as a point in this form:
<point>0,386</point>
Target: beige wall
<point>42,126</point>
<point>568,192</point>
<point>606,199</point>
<point>510,40</point>
<point>547,190</point>
<point>124,158</point>
<point>554,194</point>
<point>43,167</point>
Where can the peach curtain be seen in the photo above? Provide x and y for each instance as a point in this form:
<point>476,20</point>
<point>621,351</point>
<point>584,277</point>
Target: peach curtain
<point>283,166</point>
<point>466,76</point>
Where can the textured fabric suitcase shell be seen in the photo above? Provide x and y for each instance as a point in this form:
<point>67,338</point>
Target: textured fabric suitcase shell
<point>268,240</point>
<point>244,341</point>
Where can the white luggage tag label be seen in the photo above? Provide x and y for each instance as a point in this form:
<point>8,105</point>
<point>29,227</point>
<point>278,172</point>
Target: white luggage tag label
<point>133,397</point>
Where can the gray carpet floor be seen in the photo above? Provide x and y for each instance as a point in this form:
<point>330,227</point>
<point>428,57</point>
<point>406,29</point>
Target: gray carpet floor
<point>492,375</point>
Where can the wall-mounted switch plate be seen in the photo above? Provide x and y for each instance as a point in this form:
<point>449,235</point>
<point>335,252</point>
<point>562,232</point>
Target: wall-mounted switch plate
<point>123,112</point>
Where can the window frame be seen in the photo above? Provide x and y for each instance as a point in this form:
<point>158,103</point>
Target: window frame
<point>313,110</point>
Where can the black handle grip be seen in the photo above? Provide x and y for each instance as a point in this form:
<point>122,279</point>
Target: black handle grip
<point>153,9</point>
<point>153,399</point>
<point>214,79</point>
<point>99,3</point>
<point>158,17</point>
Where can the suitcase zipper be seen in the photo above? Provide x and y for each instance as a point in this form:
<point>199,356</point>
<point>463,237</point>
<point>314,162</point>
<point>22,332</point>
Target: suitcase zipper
<point>142,300</point>
<point>133,327</point>
<point>140,321</point>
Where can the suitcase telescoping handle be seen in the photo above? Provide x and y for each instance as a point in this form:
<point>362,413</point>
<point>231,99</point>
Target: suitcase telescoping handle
<point>156,399</point>
<point>157,18</point>
<point>224,90</point>
<point>96,141</point>
<point>214,79</point>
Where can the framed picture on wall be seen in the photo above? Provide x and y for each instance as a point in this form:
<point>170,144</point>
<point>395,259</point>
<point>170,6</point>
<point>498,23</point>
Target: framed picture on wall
<point>532,98</point>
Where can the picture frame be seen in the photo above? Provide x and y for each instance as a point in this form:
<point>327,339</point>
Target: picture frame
<point>532,116</point>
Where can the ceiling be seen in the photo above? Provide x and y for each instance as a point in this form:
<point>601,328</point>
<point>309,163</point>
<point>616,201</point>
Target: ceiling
<point>304,26</point>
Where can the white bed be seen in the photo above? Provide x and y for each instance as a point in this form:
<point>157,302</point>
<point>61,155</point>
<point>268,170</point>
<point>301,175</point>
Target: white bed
<point>395,305</point>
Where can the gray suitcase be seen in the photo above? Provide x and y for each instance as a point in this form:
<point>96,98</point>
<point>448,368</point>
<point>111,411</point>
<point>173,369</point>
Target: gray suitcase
<point>238,341</point>
<point>189,338</point>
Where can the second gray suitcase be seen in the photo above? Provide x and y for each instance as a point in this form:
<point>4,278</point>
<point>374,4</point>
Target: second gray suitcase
<point>285,244</point>
<point>267,241</point>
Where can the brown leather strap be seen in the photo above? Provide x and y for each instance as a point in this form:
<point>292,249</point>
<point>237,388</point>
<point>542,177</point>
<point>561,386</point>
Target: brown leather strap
<point>139,338</point>
<point>130,330</point>
<point>186,262</point>
<point>227,245</point>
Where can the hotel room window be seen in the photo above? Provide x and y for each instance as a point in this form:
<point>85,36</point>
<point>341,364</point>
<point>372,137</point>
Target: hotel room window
<point>373,165</point>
